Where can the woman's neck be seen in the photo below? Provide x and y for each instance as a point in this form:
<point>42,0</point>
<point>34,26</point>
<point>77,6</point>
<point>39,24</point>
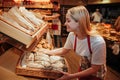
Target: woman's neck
<point>81,36</point>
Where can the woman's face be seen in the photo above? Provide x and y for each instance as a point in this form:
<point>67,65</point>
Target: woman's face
<point>71,24</point>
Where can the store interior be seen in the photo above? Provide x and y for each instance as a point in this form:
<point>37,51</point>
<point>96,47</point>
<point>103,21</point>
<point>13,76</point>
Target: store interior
<point>15,41</point>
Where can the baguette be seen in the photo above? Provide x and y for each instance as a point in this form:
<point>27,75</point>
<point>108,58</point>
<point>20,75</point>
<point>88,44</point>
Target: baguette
<point>30,16</point>
<point>14,12</point>
<point>8,19</point>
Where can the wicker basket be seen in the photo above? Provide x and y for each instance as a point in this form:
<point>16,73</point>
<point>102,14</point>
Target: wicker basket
<point>40,73</point>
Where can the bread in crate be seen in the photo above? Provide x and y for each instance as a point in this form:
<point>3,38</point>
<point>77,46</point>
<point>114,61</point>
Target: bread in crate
<point>24,28</point>
<point>39,64</point>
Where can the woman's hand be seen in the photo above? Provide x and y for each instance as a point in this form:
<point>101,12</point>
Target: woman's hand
<point>45,51</point>
<point>66,76</point>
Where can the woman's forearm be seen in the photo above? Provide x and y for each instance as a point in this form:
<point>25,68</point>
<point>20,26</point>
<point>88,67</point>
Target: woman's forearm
<point>59,51</point>
<point>86,72</point>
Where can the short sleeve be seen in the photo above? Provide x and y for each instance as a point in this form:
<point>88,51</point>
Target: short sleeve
<point>69,42</point>
<point>99,52</point>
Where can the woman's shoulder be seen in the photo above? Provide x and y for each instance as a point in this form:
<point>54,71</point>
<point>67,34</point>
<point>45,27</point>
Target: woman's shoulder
<point>97,39</point>
<point>71,34</point>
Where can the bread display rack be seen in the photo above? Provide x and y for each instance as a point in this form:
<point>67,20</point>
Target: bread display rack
<point>25,32</point>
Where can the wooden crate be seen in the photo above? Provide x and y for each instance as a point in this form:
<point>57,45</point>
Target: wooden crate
<point>19,35</point>
<point>40,73</point>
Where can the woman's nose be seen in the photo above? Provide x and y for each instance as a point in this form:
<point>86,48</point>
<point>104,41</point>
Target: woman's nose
<point>65,24</point>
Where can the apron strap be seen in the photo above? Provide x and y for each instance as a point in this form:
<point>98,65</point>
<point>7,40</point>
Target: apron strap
<point>89,45</point>
<point>75,42</point>
<point>88,41</point>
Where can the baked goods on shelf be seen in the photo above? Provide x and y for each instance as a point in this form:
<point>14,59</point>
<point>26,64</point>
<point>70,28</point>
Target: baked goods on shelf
<point>107,31</point>
<point>42,12</point>
<point>43,43</point>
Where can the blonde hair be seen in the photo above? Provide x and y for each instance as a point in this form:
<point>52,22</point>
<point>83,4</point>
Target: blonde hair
<point>80,14</point>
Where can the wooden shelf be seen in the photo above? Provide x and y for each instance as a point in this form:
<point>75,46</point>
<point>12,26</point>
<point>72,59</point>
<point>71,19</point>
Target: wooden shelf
<point>38,6</point>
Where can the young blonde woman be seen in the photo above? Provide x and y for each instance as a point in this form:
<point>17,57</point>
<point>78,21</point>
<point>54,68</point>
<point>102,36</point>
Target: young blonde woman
<point>86,43</point>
